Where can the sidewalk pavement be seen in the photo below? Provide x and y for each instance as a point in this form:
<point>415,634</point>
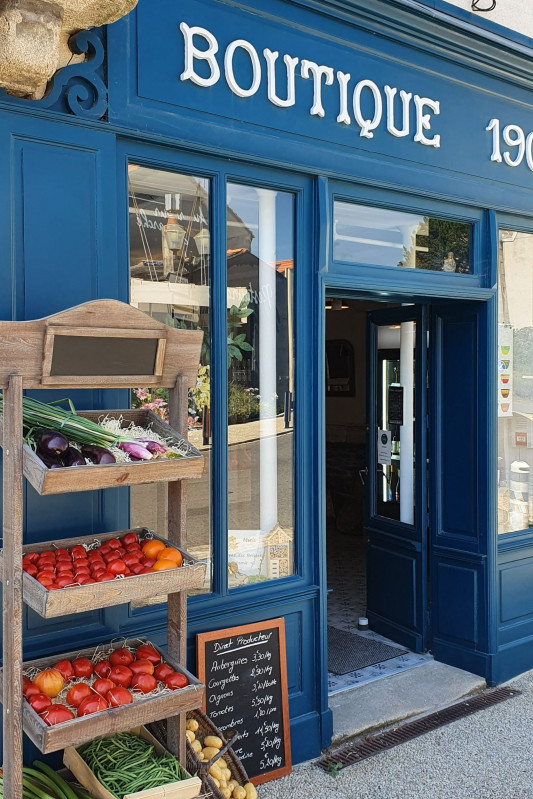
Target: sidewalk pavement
<point>487,755</point>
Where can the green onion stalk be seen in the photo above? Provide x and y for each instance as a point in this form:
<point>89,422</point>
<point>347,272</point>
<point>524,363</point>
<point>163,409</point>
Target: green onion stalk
<point>83,431</point>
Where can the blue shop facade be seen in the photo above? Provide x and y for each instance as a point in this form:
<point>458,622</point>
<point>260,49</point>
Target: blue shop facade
<point>263,172</point>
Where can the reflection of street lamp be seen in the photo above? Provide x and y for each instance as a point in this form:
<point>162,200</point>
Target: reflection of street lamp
<point>174,234</point>
<point>203,242</point>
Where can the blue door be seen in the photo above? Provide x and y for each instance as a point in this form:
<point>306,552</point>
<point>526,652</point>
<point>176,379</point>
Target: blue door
<point>397,497</point>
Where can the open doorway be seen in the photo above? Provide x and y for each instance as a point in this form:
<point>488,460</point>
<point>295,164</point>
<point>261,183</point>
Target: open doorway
<point>363,505</point>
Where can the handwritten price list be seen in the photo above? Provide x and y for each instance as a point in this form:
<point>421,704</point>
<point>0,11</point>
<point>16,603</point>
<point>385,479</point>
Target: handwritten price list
<point>246,692</point>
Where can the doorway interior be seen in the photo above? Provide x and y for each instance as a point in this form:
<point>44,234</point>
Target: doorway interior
<point>356,657</point>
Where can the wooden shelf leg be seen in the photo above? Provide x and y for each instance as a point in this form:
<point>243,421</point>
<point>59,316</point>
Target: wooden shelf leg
<point>12,588</point>
<point>178,407</point>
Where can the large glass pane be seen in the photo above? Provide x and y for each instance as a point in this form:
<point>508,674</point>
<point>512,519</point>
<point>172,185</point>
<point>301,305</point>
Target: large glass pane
<point>382,237</point>
<point>515,381</point>
<point>260,267</point>
<point>169,226</point>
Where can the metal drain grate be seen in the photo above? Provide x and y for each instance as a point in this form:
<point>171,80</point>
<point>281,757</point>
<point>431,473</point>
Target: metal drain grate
<point>353,753</point>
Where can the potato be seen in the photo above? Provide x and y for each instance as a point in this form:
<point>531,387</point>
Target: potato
<point>239,792</point>
<point>226,773</point>
<point>251,793</point>
<point>233,784</point>
<point>192,725</point>
<point>221,763</point>
<point>226,793</point>
<point>190,735</point>
<point>217,782</point>
<point>210,751</point>
<point>213,740</point>
<point>215,772</point>
<point>197,746</point>
<point>200,756</point>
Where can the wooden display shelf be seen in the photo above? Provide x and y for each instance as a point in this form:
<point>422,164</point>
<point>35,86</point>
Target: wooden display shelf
<point>81,598</point>
<point>142,711</point>
<point>114,475</point>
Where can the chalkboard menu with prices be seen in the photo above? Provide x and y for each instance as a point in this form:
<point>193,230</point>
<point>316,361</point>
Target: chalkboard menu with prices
<point>244,670</point>
<point>395,405</point>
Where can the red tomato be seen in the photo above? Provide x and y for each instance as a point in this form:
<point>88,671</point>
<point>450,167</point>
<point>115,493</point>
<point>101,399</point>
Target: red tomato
<point>113,543</point>
<point>119,696</point>
<point>78,551</point>
<point>131,559</point>
<point>82,667</point>
<point>144,683</point>
<point>148,652</point>
<point>48,573</point>
<point>102,668</point>
<point>105,548</point>
<point>30,690</point>
<point>30,569</point>
<point>45,580</point>
<point>176,680</point>
<point>80,562</point>
<point>128,539</point>
<point>137,569</point>
<point>57,714</point>
<point>96,573</point>
<point>111,556</point>
<point>25,682</point>
<point>120,657</point>
<point>104,577</point>
<point>33,557</point>
<point>121,551</point>
<point>148,562</point>
<point>53,587</point>
<point>64,667</point>
<point>63,559</point>
<point>142,667</point>
<point>94,553</point>
<point>62,552</point>
<point>134,548</point>
<point>121,675</point>
<point>117,567</point>
<point>93,704</point>
<point>65,580</point>
<point>47,553</point>
<point>146,570</point>
<point>102,686</point>
<point>63,566</point>
<point>162,671</point>
<point>78,693</point>
<point>86,581</point>
<point>40,702</point>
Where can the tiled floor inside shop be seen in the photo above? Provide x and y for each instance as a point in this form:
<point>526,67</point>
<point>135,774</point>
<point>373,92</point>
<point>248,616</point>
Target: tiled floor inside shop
<point>347,602</point>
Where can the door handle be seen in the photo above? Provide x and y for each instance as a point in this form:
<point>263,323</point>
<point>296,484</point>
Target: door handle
<point>362,474</point>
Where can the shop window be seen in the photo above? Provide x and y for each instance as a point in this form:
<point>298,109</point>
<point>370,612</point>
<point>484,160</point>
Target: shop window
<point>260,270</point>
<point>382,237</point>
<point>169,229</point>
<point>515,381</point>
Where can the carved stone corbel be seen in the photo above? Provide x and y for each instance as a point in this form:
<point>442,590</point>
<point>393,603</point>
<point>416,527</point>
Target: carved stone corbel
<point>34,37</point>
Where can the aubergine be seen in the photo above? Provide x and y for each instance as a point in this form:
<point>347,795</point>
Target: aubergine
<point>51,443</point>
<point>50,462</point>
<point>72,457</point>
<point>96,454</point>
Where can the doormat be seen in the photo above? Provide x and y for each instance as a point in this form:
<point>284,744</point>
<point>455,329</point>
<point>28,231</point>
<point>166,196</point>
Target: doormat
<point>349,652</point>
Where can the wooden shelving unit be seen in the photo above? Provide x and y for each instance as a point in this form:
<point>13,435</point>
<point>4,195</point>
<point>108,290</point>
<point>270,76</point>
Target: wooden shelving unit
<point>101,344</point>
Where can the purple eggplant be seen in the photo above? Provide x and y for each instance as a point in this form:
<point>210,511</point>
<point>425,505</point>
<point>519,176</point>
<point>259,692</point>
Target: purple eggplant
<point>136,451</point>
<point>152,446</point>
<point>50,462</point>
<point>73,457</point>
<point>97,454</point>
<point>51,443</point>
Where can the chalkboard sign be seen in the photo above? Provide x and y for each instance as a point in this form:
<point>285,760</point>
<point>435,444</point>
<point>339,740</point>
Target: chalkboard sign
<point>77,354</point>
<point>395,405</point>
<point>245,673</point>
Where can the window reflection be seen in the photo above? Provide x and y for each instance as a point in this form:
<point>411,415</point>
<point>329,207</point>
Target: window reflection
<point>169,280</point>
<point>260,273</point>
<point>382,237</point>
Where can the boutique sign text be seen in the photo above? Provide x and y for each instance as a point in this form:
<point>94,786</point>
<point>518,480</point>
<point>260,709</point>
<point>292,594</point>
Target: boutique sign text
<point>360,103</point>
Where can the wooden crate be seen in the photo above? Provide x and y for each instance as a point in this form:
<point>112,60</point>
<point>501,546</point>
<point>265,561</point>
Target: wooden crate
<point>185,789</point>
<point>114,475</point>
<point>102,595</point>
<point>141,711</point>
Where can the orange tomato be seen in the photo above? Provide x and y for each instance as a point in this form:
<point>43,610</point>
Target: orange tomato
<point>152,548</point>
<point>170,553</point>
<point>161,565</point>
